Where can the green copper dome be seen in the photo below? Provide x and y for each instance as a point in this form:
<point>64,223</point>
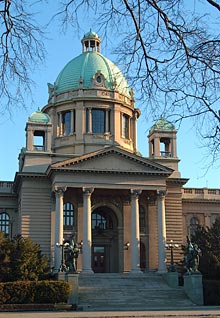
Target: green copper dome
<point>91,35</point>
<point>39,117</point>
<point>162,124</point>
<point>81,71</point>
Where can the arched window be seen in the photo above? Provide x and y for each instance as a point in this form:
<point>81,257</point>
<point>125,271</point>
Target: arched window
<point>194,222</point>
<point>4,223</point>
<point>101,221</point>
<point>68,216</point>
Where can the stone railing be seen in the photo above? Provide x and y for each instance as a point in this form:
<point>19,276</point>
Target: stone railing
<point>201,193</point>
<point>6,187</point>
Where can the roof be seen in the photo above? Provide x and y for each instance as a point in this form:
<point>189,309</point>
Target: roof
<point>39,117</point>
<point>91,35</point>
<point>113,160</point>
<point>80,72</point>
<point>163,124</point>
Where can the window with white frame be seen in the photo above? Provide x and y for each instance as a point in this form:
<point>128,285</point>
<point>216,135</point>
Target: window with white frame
<point>5,223</point>
<point>68,216</point>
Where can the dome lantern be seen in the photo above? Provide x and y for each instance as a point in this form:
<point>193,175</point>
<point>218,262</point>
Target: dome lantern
<point>91,42</point>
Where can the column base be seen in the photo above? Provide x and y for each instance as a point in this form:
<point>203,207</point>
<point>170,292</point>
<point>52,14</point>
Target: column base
<point>87,271</point>
<point>162,271</point>
<point>136,271</point>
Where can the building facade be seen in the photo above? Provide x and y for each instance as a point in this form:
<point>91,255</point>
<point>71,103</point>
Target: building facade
<point>81,176</point>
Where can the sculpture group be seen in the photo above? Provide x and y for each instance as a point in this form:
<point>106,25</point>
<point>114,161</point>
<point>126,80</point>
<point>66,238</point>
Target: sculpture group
<point>192,257</point>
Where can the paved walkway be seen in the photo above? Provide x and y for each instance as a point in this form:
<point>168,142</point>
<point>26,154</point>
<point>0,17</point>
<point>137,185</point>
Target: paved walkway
<point>210,312</point>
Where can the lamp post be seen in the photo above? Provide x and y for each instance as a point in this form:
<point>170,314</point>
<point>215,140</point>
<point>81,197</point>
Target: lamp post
<point>171,246</point>
<point>62,246</point>
<point>73,250</point>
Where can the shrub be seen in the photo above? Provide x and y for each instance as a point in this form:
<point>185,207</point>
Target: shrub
<point>24,292</point>
<point>21,259</point>
<point>211,289</point>
<point>51,292</point>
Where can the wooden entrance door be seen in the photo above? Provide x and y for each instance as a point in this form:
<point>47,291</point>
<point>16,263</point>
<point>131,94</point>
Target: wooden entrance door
<point>98,259</point>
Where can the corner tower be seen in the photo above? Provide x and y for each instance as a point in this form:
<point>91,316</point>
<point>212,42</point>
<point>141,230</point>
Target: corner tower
<point>91,105</point>
<point>162,145</point>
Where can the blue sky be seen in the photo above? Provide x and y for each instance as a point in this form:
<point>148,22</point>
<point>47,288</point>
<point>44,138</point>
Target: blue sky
<point>60,49</point>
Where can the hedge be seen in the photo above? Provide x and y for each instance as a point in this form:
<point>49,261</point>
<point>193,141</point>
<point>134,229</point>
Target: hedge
<point>34,292</point>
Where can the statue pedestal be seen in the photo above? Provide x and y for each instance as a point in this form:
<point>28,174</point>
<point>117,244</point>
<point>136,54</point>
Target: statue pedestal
<point>193,287</point>
<point>73,280</point>
<point>172,279</point>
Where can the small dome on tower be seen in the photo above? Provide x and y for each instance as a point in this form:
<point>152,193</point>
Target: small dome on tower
<point>90,34</point>
<point>39,117</point>
<point>162,124</point>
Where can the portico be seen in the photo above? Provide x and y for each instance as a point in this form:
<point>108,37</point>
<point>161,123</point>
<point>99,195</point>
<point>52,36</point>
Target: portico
<point>110,211</point>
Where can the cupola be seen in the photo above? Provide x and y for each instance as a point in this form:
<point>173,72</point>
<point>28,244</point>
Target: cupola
<point>91,42</point>
<point>38,132</point>
<point>162,144</point>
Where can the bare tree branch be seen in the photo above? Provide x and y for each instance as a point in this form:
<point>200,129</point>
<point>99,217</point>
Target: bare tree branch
<point>21,50</point>
<point>214,4</point>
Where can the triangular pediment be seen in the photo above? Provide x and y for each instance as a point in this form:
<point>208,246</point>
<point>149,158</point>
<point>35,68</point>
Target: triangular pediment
<point>112,160</point>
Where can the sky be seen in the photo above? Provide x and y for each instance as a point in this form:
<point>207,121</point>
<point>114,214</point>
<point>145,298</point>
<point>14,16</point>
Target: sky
<point>61,48</point>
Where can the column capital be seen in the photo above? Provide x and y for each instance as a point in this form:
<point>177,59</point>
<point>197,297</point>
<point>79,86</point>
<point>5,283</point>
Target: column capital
<point>136,113</point>
<point>87,190</point>
<point>136,192</point>
<point>59,190</point>
<point>161,193</point>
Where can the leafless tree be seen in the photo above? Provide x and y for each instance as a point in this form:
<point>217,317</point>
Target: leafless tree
<point>21,50</point>
<point>170,53</point>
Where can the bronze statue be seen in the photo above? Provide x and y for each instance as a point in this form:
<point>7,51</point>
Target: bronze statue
<point>72,256</point>
<point>192,257</point>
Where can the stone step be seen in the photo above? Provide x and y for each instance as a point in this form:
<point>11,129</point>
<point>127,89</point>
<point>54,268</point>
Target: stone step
<point>128,292</point>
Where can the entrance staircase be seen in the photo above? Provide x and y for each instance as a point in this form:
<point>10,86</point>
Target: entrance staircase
<point>127,292</point>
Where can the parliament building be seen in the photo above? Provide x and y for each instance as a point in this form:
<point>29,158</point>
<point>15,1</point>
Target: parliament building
<point>81,176</point>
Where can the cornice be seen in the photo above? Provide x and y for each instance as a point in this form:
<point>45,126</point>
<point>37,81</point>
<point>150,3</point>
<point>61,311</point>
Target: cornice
<point>180,181</point>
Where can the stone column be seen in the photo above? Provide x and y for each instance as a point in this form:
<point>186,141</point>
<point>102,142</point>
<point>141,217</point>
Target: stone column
<point>59,192</point>
<point>161,233</point>
<point>60,124</point>
<point>107,128</point>
<point>89,120</point>
<point>136,115</point>
<point>135,232</point>
<point>72,122</point>
<point>87,231</point>
<point>207,217</point>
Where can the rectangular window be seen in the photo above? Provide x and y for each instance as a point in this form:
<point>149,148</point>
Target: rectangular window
<point>95,121</point>
<point>66,123</point>
<point>98,121</point>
